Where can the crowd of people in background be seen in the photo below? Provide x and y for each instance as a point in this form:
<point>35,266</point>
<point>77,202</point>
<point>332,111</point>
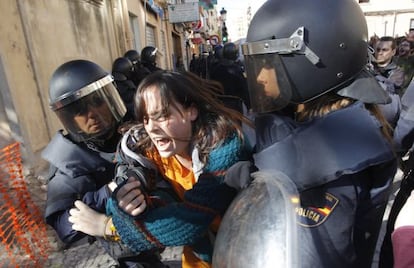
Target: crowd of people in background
<point>153,158</point>
<point>393,67</point>
<point>223,64</point>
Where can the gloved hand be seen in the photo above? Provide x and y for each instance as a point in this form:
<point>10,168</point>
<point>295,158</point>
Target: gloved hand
<point>130,197</point>
<point>87,220</point>
<point>238,175</point>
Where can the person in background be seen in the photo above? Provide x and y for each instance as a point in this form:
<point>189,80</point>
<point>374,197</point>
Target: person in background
<point>82,164</point>
<point>179,65</point>
<point>216,57</point>
<point>410,35</point>
<point>387,72</point>
<point>230,74</point>
<point>203,64</point>
<point>193,140</point>
<point>389,76</point>
<point>139,70</point>
<point>318,124</point>
<point>373,40</point>
<point>405,60</point>
<point>123,74</point>
<point>148,58</point>
<point>193,64</point>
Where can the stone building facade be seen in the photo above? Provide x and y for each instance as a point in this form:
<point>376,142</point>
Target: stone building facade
<point>38,36</point>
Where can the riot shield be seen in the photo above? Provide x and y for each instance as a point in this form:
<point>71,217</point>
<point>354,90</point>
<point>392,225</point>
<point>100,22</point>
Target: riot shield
<point>259,228</point>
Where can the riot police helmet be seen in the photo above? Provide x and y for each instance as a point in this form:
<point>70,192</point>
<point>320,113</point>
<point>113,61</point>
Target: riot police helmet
<point>122,69</point>
<point>133,56</point>
<point>218,52</point>
<point>230,51</point>
<point>148,55</point>
<point>84,98</point>
<point>296,51</point>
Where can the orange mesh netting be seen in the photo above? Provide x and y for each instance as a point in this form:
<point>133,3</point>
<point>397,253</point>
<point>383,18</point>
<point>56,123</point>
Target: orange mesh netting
<point>24,241</point>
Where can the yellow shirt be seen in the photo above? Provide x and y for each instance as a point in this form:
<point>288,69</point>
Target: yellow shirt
<point>182,180</point>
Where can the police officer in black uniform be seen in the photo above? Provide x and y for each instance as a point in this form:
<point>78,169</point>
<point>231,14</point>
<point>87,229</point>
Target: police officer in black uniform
<point>82,163</point>
<point>123,73</point>
<point>229,73</point>
<point>148,58</point>
<point>216,58</point>
<point>139,70</point>
<point>317,125</point>
<point>133,56</point>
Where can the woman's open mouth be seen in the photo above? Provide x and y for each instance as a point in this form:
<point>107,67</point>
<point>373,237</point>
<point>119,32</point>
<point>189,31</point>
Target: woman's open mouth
<point>162,143</point>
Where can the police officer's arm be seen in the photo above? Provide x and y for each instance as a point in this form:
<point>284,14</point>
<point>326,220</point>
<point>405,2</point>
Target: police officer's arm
<point>61,198</point>
<point>89,221</point>
<point>397,77</point>
<point>63,228</point>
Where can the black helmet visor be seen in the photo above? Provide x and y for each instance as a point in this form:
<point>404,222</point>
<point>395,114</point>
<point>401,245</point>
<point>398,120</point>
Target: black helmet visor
<point>93,115</point>
<point>269,86</point>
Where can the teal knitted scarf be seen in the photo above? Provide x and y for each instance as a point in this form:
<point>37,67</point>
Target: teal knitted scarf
<point>186,222</point>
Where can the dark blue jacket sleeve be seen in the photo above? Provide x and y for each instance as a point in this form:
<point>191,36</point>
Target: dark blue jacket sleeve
<point>97,200</point>
<point>58,219</point>
<point>404,131</point>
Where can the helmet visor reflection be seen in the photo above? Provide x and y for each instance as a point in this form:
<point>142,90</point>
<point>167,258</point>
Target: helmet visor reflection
<point>93,115</point>
<point>269,85</point>
<point>81,106</point>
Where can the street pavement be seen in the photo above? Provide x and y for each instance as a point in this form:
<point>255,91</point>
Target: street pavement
<point>93,255</point>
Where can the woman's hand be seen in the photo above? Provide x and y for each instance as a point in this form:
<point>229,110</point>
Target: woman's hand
<point>87,220</point>
<point>130,198</point>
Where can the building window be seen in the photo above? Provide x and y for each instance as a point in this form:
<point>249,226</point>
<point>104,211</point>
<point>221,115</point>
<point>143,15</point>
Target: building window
<point>133,20</point>
<point>150,36</point>
<point>411,24</point>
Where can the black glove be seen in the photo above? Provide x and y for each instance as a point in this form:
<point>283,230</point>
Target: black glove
<point>238,175</point>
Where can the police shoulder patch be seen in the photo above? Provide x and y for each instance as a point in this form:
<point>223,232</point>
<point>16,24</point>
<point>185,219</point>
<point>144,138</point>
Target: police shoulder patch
<point>314,216</point>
